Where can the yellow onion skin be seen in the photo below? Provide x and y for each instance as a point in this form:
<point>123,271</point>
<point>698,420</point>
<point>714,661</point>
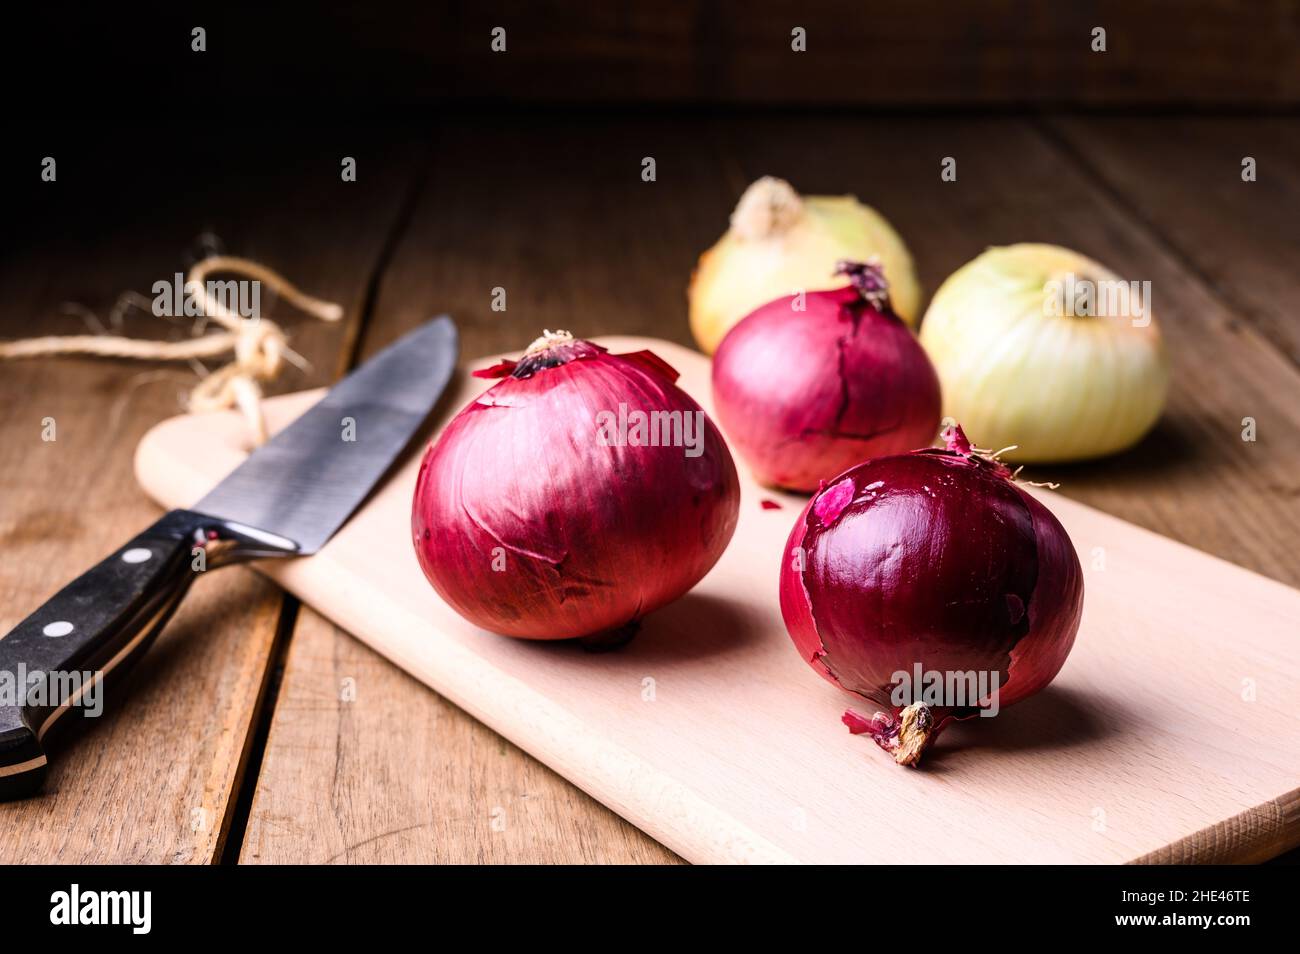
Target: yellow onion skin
<point>530,525</point>
<point>1060,387</point>
<point>754,263</point>
<point>804,394</point>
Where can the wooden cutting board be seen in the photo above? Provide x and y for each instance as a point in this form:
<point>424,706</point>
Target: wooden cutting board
<point>1171,735</point>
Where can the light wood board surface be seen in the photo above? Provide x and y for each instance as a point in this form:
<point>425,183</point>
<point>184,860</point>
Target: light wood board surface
<point>1171,734</point>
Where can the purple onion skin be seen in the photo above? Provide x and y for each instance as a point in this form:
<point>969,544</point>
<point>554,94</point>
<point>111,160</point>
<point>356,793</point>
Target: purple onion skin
<point>804,395</point>
<point>935,557</point>
<point>589,538</point>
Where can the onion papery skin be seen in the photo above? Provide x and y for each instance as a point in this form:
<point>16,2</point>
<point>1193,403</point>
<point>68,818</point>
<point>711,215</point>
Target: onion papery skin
<point>753,264</point>
<point>1058,387</point>
<point>935,557</point>
<point>804,395</point>
<point>528,525</point>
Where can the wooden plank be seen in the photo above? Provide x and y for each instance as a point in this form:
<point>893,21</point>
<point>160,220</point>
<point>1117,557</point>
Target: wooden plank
<point>365,765</point>
<point>568,228</point>
<point>1193,478</point>
<point>708,732</point>
<point>555,212</point>
<point>1184,182</point>
<point>155,779</point>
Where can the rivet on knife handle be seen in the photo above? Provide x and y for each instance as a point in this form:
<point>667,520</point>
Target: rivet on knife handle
<point>286,499</point>
<point>94,627</point>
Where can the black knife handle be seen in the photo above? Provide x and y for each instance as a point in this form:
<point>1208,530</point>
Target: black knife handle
<point>98,624</point>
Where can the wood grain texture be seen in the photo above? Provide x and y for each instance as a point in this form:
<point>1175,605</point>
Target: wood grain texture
<point>553,211</point>
<point>1183,181</point>
<point>1146,744</point>
<point>365,765</point>
<point>153,780</point>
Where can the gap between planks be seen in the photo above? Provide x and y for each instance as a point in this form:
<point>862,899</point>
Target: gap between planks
<point>235,823</point>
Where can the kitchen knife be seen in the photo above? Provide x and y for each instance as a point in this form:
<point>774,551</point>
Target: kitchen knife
<point>285,500</point>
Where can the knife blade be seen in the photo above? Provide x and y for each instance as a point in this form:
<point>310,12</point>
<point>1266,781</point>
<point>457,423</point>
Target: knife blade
<point>285,500</point>
<point>303,484</point>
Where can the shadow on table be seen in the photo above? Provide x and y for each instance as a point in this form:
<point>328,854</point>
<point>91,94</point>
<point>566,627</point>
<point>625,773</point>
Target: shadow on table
<point>694,626</point>
<point>1055,718</point>
<point>1169,448</point>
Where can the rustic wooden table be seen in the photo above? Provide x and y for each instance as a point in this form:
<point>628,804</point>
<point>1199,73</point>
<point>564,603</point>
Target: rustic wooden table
<point>233,742</point>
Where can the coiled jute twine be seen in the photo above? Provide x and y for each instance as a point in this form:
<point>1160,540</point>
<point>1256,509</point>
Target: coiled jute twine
<point>260,346</point>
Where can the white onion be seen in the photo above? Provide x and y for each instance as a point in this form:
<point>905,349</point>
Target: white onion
<point>1016,369</point>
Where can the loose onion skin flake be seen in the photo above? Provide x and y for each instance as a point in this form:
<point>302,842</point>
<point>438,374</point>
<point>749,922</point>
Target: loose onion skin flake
<point>935,558</point>
<point>809,385</point>
<point>542,513</point>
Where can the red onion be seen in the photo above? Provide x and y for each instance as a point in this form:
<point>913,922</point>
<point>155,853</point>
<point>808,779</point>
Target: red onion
<point>579,493</point>
<point>933,562</point>
<point>809,385</point>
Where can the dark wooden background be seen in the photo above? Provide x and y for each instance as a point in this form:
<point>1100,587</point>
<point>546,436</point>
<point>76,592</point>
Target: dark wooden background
<point>522,170</point>
<point>357,58</point>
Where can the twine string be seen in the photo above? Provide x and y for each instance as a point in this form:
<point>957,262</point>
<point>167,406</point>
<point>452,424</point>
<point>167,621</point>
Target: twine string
<point>259,345</point>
